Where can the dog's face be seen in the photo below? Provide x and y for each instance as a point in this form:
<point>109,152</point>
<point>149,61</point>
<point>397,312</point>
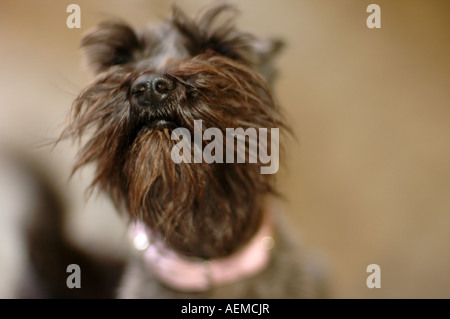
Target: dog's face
<point>150,82</point>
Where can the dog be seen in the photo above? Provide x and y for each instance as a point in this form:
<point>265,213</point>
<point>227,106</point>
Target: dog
<point>36,249</point>
<point>201,229</point>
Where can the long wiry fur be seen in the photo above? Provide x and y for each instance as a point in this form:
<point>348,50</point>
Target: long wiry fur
<point>199,209</point>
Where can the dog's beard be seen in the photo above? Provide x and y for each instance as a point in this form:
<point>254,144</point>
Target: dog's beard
<point>201,209</point>
<point>198,209</point>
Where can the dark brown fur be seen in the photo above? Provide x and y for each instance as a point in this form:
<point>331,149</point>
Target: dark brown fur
<point>202,210</point>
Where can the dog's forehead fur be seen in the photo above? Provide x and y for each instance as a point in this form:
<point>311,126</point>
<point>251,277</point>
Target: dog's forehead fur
<point>161,44</point>
<point>179,36</point>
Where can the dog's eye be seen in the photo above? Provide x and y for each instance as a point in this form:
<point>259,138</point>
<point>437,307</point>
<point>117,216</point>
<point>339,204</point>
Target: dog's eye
<point>223,48</point>
<point>110,43</point>
<point>121,57</point>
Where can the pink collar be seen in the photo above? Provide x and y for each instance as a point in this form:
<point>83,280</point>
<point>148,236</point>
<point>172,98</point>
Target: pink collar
<point>195,275</point>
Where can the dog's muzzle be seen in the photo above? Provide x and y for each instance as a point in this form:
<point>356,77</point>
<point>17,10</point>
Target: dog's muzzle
<point>152,90</point>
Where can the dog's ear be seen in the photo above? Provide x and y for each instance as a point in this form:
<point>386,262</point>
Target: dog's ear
<point>267,48</point>
<point>110,43</point>
<point>215,29</point>
<point>263,52</point>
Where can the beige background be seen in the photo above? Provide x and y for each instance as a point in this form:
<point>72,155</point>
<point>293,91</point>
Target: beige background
<point>369,179</point>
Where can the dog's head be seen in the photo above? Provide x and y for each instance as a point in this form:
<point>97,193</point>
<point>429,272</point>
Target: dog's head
<point>150,82</point>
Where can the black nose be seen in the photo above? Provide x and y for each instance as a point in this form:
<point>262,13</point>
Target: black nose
<point>152,90</point>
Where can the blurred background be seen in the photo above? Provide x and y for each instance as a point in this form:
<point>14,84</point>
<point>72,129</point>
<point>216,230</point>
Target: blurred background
<point>368,181</point>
